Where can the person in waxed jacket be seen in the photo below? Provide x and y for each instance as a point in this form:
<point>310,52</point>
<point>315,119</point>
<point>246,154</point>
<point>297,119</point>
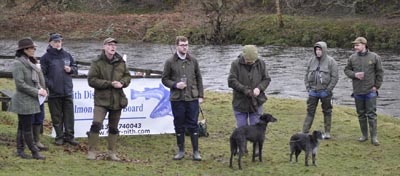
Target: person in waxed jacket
<point>365,70</point>
<point>58,66</point>
<point>249,79</point>
<point>321,78</point>
<point>108,75</point>
<point>182,75</point>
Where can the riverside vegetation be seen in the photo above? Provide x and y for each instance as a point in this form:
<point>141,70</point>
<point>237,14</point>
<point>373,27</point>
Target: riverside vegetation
<point>152,154</point>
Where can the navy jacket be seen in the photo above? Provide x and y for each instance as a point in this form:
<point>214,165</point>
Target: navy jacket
<point>58,81</point>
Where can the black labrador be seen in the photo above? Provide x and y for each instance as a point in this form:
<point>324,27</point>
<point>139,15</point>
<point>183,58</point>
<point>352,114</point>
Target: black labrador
<point>308,143</point>
<point>254,133</point>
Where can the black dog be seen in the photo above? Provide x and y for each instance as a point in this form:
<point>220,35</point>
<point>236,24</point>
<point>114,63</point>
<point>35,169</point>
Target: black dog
<point>306,142</point>
<point>254,133</point>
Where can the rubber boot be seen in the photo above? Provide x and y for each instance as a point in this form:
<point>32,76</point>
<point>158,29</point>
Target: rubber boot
<point>372,129</point>
<point>307,123</point>
<point>112,147</point>
<point>21,146</point>
<point>180,140</point>
<point>36,137</point>
<point>30,143</point>
<point>93,141</point>
<point>327,125</point>
<point>364,130</point>
<point>194,137</point>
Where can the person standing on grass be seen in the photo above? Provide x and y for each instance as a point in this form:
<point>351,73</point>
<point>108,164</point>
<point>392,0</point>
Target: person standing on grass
<point>248,77</point>
<point>58,66</point>
<point>321,78</point>
<point>365,69</point>
<point>108,75</point>
<point>182,75</point>
<point>28,82</point>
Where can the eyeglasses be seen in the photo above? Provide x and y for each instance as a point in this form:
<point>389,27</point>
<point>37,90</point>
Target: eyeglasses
<point>183,45</point>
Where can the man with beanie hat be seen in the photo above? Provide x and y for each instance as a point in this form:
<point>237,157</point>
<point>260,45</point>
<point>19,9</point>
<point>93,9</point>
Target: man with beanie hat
<point>320,80</point>
<point>365,70</point>
<point>249,79</point>
<point>58,66</point>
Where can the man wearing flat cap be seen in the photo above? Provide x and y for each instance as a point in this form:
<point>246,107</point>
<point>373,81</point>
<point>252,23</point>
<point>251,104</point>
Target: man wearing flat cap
<point>365,69</point>
<point>248,78</point>
<point>58,66</point>
<point>108,75</point>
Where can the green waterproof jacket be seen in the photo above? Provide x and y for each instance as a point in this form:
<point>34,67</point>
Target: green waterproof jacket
<point>101,74</point>
<point>322,73</point>
<point>369,63</point>
<point>174,70</point>
<point>243,81</point>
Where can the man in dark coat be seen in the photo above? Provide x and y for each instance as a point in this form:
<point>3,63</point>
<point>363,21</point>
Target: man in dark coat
<point>58,66</point>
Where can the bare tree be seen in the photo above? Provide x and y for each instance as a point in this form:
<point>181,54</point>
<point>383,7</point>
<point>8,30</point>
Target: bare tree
<point>279,14</point>
<point>220,15</point>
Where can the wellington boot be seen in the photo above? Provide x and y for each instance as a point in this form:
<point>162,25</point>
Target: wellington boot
<point>372,128</point>
<point>180,140</point>
<point>196,156</point>
<point>93,140</point>
<point>327,125</point>
<point>112,147</point>
<point>364,130</point>
<point>194,137</point>
<point>308,123</point>
<point>36,137</point>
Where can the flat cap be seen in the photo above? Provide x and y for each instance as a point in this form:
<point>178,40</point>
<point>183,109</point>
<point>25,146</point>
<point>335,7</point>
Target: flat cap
<point>361,40</point>
<point>109,40</point>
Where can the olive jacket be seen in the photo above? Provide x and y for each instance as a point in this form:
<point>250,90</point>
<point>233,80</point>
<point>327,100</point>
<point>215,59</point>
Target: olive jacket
<point>101,74</point>
<point>369,63</point>
<point>175,69</point>
<point>243,81</point>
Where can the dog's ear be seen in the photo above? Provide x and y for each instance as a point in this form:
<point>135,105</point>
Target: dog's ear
<point>271,118</point>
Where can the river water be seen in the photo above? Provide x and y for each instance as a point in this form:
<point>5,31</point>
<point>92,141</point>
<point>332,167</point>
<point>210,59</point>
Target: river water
<point>286,67</point>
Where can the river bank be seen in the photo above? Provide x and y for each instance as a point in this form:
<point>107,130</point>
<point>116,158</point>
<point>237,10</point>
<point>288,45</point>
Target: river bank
<point>162,27</point>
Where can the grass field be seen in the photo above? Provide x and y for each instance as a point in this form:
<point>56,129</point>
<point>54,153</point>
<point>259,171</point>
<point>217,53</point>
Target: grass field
<point>152,154</point>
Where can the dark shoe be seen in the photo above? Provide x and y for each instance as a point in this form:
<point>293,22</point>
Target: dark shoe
<point>196,156</point>
<point>72,142</point>
<point>179,155</point>
<point>23,155</point>
<point>59,142</point>
<point>36,155</point>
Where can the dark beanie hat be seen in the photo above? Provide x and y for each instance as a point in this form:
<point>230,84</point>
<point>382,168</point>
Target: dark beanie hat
<point>55,37</point>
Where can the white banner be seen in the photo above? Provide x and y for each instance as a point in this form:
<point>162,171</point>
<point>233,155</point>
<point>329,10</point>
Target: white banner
<point>148,110</point>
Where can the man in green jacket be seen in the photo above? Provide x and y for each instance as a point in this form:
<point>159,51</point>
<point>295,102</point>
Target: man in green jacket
<point>108,75</point>
<point>182,75</point>
<point>320,79</point>
<point>365,69</point>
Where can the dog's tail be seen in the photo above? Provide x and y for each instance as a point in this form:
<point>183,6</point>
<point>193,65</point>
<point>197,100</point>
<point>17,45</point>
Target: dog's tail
<point>234,146</point>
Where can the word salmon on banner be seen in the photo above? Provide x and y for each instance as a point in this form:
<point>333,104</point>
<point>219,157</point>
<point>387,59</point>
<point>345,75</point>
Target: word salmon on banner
<point>148,110</point>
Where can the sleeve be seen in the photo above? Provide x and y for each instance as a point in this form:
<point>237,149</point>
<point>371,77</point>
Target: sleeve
<point>73,65</point>
<point>348,69</point>
<point>378,72</point>
<point>233,81</point>
<point>126,78</point>
<point>334,75</point>
<point>199,80</point>
<point>265,78</point>
<point>306,81</point>
<point>166,76</point>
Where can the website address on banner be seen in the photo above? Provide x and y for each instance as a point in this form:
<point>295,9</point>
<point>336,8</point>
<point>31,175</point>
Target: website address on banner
<point>128,132</point>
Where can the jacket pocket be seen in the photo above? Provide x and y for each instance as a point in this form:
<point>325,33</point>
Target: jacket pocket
<point>195,91</point>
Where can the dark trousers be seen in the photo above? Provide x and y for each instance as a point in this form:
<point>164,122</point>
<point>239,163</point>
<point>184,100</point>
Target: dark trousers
<point>39,117</point>
<point>366,107</point>
<point>24,133</point>
<point>186,115</point>
<point>326,105</point>
<point>62,116</point>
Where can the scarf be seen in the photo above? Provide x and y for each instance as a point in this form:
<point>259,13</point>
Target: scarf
<point>37,75</point>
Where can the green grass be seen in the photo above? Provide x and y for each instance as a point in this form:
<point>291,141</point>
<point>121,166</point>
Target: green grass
<point>152,154</point>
